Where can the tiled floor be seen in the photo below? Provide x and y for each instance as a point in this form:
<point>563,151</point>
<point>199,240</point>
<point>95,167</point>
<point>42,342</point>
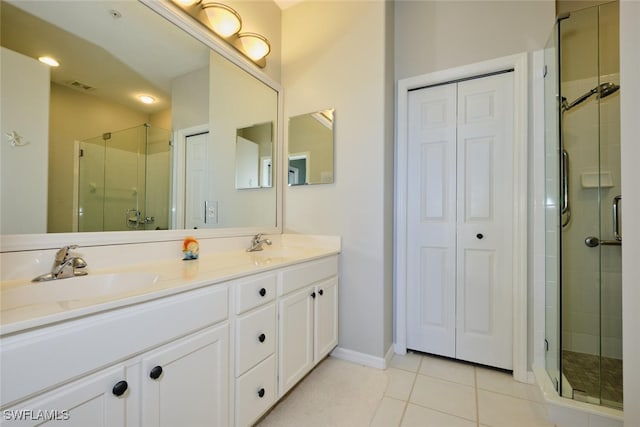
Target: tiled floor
<point>432,391</point>
<point>416,390</point>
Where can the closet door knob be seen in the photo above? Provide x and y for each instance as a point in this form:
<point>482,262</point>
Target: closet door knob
<point>479,236</point>
<point>155,373</point>
<point>262,337</point>
<point>261,393</point>
<point>120,388</point>
<point>321,292</point>
<point>262,292</point>
<point>313,294</point>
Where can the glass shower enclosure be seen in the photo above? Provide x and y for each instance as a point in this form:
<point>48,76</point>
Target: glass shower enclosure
<point>583,207</point>
<point>124,180</point>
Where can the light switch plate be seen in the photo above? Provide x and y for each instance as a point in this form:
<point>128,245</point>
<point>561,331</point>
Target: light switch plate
<point>211,211</point>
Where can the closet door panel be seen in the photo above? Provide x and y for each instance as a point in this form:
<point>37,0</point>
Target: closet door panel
<point>431,218</point>
<point>484,218</point>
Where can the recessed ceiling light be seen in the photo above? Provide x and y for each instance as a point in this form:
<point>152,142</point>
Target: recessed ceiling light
<point>49,61</point>
<point>147,99</point>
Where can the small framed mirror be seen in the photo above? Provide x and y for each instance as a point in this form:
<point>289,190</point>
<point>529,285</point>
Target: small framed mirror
<point>254,156</point>
<point>311,139</point>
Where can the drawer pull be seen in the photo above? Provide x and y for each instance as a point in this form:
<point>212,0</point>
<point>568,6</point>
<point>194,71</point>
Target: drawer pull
<point>262,337</point>
<point>155,373</point>
<point>262,292</point>
<point>261,393</point>
<point>313,294</point>
<point>321,292</point>
<point>120,388</point>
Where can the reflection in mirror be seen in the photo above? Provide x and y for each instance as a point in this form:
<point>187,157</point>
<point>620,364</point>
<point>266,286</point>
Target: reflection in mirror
<point>254,155</point>
<point>311,148</point>
<point>95,157</point>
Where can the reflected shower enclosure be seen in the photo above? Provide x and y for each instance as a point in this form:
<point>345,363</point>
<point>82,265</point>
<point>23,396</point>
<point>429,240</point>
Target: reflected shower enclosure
<point>123,180</point>
<point>584,234</point>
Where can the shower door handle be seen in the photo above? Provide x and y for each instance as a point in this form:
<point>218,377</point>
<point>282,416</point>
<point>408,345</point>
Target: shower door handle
<point>566,208</point>
<point>616,217</point>
<point>593,241</point>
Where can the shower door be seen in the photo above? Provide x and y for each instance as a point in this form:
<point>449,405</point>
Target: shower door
<point>124,180</point>
<point>583,177</point>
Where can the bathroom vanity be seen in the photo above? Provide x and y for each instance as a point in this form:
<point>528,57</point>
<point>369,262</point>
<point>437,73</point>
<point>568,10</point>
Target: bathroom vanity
<point>214,341</point>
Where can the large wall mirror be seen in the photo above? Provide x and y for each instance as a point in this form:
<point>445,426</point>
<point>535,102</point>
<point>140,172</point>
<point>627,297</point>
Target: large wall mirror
<point>311,148</point>
<point>85,153</point>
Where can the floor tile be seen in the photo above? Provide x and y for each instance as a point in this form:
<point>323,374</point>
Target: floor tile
<point>448,370</point>
<point>503,382</point>
<point>336,393</point>
<point>417,416</point>
<point>499,410</point>
<point>445,396</point>
<point>389,413</point>
<point>400,383</point>
<point>408,362</point>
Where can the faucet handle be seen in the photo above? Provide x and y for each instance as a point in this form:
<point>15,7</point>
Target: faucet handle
<point>63,252</point>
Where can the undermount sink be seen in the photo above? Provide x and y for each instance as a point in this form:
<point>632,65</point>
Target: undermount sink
<point>75,288</point>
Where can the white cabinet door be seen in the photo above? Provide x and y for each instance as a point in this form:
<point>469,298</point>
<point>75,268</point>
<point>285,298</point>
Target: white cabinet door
<point>431,214</point>
<point>86,402</point>
<point>196,180</point>
<point>460,226</point>
<point>326,318</point>
<point>485,221</point>
<point>295,350</point>
<point>186,383</point>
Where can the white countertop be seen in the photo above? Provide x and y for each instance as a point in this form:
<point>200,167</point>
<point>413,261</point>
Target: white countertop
<point>171,277</point>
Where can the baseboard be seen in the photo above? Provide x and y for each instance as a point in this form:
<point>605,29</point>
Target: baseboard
<point>363,358</point>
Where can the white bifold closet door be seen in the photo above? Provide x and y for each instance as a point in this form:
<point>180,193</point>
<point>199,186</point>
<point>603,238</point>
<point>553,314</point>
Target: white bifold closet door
<point>460,220</point>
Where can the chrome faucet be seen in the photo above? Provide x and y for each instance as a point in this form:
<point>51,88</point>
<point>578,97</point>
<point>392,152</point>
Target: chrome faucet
<point>64,266</point>
<point>257,242</point>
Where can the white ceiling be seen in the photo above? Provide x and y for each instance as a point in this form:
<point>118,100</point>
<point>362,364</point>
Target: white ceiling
<point>138,52</point>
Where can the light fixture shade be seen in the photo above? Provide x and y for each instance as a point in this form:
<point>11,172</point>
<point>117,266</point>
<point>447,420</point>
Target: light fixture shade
<point>51,62</point>
<point>223,20</point>
<point>254,45</point>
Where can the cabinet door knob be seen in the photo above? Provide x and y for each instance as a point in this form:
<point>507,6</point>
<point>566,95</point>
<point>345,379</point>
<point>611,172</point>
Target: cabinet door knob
<point>262,292</point>
<point>261,393</point>
<point>262,337</point>
<point>321,292</point>
<point>155,373</point>
<point>313,294</point>
<point>120,388</point>
<point>479,236</point>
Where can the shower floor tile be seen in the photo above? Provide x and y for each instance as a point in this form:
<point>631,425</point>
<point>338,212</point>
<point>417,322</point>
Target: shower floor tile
<point>583,372</point>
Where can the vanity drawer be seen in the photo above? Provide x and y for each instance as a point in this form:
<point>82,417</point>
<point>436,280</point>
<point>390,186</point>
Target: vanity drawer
<point>255,392</point>
<point>298,277</point>
<point>255,337</point>
<point>254,292</point>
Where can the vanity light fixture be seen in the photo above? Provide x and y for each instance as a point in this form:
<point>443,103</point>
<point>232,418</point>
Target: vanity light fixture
<point>254,45</point>
<point>225,22</point>
<point>49,61</point>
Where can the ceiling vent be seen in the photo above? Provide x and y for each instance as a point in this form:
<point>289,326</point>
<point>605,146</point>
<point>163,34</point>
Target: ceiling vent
<point>81,86</point>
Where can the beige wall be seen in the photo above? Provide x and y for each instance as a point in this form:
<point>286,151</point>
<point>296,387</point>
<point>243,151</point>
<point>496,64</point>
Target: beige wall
<point>436,35</point>
<point>24,109</point>
<point>335,55</point>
